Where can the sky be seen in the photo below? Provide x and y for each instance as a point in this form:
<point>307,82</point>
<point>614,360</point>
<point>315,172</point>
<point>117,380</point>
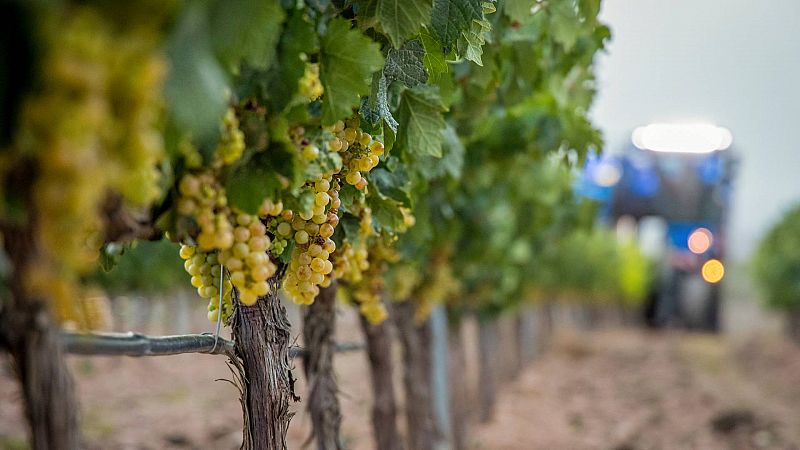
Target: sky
<point>734,63</point>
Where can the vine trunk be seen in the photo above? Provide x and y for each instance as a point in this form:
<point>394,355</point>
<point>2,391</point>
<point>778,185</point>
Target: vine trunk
<point>30,333</point>
<point>319,325</point>
<point>384,405</point>
<point>262,333</point>
<point>416,340</point>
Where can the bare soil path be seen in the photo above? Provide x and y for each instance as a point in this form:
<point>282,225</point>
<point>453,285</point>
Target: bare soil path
<point>607,390</point>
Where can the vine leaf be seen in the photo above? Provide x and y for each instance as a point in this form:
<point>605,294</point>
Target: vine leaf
<point>298,39</point>
<point>386,212</point>
<point>402,18</point>
<point>452,160</point>
<point>195,89</point>
<point>260,177</point>
<point>347,60</point>
<point>450,18</point>
<point>376,108</point>
<point>434,58</point>
<point>421,121</point>
<point>470,44</point>
<point>566,26</point>
<point>394,185</point>
<point>405,64</point>
<point>243,30</point>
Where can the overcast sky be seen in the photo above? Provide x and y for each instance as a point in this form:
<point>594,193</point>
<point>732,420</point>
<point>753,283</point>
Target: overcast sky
<point>734,63</point>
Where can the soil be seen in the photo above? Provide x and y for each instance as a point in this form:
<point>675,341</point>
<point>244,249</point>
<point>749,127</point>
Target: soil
<point>613,389</point>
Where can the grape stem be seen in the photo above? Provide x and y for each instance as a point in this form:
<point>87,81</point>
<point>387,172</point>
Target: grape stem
<point>135,344</point>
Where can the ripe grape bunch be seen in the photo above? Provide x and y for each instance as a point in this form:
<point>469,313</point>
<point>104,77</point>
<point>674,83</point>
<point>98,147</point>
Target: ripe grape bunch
<point>359,151</point>
<point>310,265</point>
<point>86,146</point>
<point>309,85</point>
<point>229,238</point>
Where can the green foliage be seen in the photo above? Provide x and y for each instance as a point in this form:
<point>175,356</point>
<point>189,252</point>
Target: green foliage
<point>452,17</point>
<point>483,116</point>
<point>244,31</point>
<point>595,266</point>
<point>196,86</point>
<point>420,122</point>
<point>347,61</point>
<point>146,268</point>
<point>402,18</point>
<point>777,262</point>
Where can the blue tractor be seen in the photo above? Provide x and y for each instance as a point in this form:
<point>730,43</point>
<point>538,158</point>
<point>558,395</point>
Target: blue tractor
<point>674,182</point>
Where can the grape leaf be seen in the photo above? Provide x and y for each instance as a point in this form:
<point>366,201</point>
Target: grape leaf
<point>421,122</point>
<point>451,162</point>
<point>566,26</point>
<point>453,153</point>
<point>470,44</point>
<point>244,30</point>
<point>385,212</point>
<point>195,89</point>
<point>402,18</point>
<point>260,177</point>
<point>434,58</point>
<point>452,17</point>
<point>347,60</point>
<point>394,185</point>
<point>520,11</point>
<point>298,38</point>
<point>350,227</point>
<point>376,108</point>
<point>405,64</point>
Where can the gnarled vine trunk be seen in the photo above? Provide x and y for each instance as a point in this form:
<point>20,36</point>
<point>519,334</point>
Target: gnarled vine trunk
<point>31,335</point>
<point>416,340</point>
<point>319,325</point>
<point>384,406</point>
<point>487,378</point>
<point>262,333</point>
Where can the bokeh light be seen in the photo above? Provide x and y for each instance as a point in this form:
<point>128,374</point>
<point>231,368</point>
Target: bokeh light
<point>713,271</point>
<point>684,138</point>
<point>700,241</point>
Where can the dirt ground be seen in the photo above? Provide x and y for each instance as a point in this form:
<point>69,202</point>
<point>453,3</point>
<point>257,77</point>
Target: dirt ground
<point>613,389</point>
<point>637,390</point>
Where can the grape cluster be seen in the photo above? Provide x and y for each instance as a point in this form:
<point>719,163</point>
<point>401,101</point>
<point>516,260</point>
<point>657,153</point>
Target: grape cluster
<point>93,125</point>
<point>360,152</point>
<point>310,265</point>
<point>205,269</point>
<point>227,237</point>
<point>438,285</point>
<point>309,85</point>
<point>248,260</point>
<point>231,145</point>
<point>203,198</point>
<point>364,270</point>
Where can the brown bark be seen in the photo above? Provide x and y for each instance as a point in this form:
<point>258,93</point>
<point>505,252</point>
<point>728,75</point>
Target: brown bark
<point>32,338</point>
<point>793,325</point>
<point>319,324</point>
<point>458,388</point>
<point>384,406</point>
<point>416,340</point>
<point>487,378</point>
<point>262,333</point>
<point>31,335</point>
